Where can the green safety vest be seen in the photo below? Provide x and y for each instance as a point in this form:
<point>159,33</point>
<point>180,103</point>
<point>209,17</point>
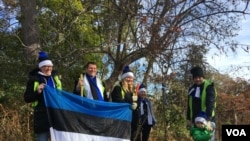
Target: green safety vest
<point>122,91</point>
<point>36,84</point>
<point>203,99</point>
<point>117,83</point>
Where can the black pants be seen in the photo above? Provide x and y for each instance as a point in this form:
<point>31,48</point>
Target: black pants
<point>135,124</point>
<point>145,132</point>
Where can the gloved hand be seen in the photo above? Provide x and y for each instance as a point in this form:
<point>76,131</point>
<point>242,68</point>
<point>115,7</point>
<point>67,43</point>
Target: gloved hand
<point>135,98</point>
<point>209,127</point>
<point>133,105</point>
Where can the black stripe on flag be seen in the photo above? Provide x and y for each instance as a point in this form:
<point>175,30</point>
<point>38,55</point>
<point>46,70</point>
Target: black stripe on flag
<point>71,115</point>
<point>63,120</point>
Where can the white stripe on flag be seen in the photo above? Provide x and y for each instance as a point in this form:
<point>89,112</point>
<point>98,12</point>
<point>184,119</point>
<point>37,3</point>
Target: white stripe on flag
<point>70,136</point>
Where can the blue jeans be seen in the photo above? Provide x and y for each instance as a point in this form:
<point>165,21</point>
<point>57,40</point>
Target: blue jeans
<point>43,136</point>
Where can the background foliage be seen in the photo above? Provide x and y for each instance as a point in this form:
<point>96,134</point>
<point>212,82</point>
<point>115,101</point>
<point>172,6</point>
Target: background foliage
<point>160,40</point>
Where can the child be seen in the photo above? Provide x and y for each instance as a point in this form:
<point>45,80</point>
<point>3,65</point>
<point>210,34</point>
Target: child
<point>200,131</point>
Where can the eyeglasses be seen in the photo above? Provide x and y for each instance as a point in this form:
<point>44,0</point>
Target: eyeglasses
<point>47,66</point>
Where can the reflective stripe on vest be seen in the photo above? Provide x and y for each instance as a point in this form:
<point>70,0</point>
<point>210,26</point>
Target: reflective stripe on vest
<point>58,83</point>
<point>123,93</point>
<point>36,84</point>
<point>203,97</point>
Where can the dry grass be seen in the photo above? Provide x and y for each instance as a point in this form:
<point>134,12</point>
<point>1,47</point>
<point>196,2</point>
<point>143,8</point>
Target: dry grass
<point>14,125</point>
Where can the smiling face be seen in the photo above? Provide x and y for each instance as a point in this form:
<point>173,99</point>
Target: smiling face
<point>200,124</point>
<point>47,69</point>
<point>198,80</point>
<point>143,94</point>
<point>128,83</point>
<point>91,70</point>
<point>129,80</point>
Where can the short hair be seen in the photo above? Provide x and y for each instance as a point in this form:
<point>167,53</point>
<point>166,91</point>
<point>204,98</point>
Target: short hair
<point>89,63</point>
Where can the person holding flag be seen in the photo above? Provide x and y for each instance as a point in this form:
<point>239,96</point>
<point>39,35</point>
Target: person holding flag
<point>125,91</point>
<point>38,78</point>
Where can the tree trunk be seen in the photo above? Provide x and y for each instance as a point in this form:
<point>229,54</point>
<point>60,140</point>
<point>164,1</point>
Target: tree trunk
<point>30,30</point>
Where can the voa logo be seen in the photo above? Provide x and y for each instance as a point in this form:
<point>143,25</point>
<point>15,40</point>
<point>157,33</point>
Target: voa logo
<point>236,132</point>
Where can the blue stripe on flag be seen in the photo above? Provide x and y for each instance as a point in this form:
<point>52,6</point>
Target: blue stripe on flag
<point>60,99</point>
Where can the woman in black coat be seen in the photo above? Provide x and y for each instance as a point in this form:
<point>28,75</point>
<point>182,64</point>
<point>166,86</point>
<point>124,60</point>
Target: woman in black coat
<point>38,78</point>
<point>124,91</point>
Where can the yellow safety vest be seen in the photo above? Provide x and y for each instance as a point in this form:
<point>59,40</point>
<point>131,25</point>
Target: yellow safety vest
<point>36,84</point>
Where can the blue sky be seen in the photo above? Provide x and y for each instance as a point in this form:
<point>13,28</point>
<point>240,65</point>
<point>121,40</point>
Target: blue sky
<point>224,63</point>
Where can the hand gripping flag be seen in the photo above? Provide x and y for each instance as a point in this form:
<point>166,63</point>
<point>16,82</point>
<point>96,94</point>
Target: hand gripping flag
<point>75,118</point>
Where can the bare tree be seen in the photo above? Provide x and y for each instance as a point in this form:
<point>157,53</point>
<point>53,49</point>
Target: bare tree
<point>162,30</point>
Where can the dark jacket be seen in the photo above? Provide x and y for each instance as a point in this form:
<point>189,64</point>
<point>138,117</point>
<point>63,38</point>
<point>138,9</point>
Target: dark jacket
<point>195,106</point>
<point>151,112</point>
<point>41,122</point>
<point>119,95</point>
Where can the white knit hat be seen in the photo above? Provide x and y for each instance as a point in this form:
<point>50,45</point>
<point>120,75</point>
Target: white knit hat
<point>201,119</point>
<point>142,88</point>
<point>127,73</point>
<point>44,59</point>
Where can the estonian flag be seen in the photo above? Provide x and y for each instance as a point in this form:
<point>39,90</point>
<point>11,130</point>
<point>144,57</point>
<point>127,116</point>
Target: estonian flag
<point>75,118</point>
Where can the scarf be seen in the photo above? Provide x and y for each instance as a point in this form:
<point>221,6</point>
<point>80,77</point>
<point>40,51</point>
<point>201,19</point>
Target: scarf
<point>145,104</point>
<point>93,88</point>
<point>195,92</point>
<point>47,79</point>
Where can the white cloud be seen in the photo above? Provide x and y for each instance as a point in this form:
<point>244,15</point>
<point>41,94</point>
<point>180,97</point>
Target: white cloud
<point>224,63</point>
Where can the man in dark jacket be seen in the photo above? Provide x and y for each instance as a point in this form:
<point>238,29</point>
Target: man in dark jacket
<point>201,98</point>
<point>38,78</point>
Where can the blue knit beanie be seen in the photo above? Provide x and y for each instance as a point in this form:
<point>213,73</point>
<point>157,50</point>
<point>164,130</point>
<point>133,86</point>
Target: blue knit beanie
<point>142,88</point>
<point>127,73</point>
<point>44,59</point>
